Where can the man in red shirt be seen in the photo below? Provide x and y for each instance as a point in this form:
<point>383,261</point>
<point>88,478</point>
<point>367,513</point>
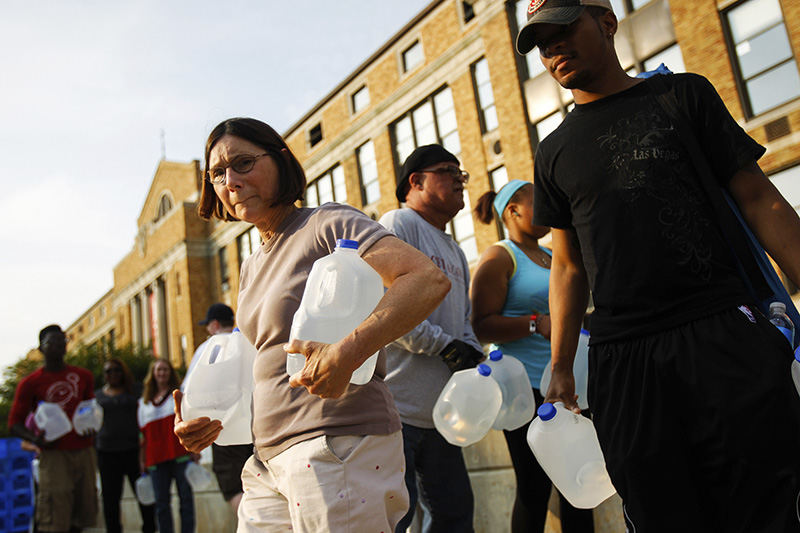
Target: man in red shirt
<point>67,497</point>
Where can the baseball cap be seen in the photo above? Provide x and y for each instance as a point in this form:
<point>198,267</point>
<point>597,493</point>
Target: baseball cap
<point>217,312</point>
<point>552,12</point>
<point>423,156</point>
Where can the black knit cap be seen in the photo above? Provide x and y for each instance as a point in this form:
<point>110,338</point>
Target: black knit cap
<point>423,156</point>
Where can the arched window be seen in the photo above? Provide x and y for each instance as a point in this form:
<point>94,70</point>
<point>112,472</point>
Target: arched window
<point>164,206</point>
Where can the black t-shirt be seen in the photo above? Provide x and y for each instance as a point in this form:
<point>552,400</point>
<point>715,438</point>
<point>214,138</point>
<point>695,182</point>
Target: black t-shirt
<point>617,172</point>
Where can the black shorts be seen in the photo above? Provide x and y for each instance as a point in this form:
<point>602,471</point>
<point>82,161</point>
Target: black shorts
<point>700,425</point>
<point>227,466</point>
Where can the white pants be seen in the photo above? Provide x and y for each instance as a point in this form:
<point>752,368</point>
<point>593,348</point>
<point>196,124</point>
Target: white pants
<point>327,484</point>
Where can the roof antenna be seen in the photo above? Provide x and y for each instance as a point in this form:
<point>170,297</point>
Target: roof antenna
<point>163,145</point>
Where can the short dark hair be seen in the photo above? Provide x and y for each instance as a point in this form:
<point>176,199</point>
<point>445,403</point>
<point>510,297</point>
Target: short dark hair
<point>48,329</point>
<point>292,185</point>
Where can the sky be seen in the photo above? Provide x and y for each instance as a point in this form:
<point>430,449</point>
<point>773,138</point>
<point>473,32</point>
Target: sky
<point>87,87</point>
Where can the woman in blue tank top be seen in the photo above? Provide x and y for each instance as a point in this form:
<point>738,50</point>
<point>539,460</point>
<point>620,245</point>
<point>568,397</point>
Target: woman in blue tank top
<point>510,308</point>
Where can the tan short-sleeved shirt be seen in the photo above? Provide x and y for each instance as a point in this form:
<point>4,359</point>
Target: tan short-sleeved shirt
<point>270,289</point>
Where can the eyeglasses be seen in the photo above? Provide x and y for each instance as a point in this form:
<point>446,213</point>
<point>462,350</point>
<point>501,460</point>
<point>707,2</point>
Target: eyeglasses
<point>454,172</point>
<point>241,164</point>
<point>112,370</point>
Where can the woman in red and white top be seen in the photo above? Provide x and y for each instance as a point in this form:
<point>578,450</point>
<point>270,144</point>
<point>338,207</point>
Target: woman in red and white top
<point>160,453</point>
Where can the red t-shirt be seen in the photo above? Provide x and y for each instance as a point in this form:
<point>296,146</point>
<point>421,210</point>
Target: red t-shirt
<point>67,387</point>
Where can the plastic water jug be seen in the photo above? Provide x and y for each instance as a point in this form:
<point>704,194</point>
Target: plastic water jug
<point>144,490</point>
<point>566,446</point>
<point>220,387</point>
<point>52,419</point>
<point>796,369</point>
<point>580,369</point>
<point>779,319</point>
<point>88,416</point>
<point>518,405</point>
<point>467,406</point>
<point>341,291</point>
<point>197,476</point>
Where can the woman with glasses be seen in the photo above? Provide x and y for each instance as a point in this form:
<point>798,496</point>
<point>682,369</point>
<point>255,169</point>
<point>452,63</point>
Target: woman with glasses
<point>117,443</point>
<point>328,455</point>
<point>510,306</point>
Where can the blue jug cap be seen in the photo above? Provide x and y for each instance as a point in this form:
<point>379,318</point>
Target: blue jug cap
<point>546,411</point>
<point>496,355</point>
<point>347,243</point>
<point>484,370</point>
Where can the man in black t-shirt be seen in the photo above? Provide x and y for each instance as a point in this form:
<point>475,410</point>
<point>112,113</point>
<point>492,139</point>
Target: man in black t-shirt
<point>689,384</point>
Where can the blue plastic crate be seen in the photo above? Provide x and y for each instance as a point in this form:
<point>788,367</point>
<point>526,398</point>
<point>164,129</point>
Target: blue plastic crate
<point>21,460</point>
<point>21,480</point>
<point>9,446</point>
<point>20,500</point>
<point>21,519</point>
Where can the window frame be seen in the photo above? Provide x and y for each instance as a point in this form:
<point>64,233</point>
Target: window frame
<point>404,67</point>
<point>482,108</point>
<point>361,182</point>
<point>327,174</point>
<point>354,108</point>
<point>738,75</point>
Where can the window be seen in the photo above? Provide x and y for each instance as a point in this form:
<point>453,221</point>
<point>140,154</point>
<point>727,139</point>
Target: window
<point>412,56</point>
<point>434,121</point>
<point>468,10</point>
<point>360,99</point>
<point>368,171</point>
<point>330,187</point>
<point>532,61</point>
<point>547,125</point>
<point>763,55</point>
<point>484,95</point>
<point>671,57</point>
<point>223,269</point>
<point>463,231</point>
<point>499,177</point>
<point>164,206</point>
<point>315,135</point>
<point>248,242</point>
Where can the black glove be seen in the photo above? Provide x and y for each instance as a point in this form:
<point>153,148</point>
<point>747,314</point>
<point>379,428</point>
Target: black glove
<point>459,355</point>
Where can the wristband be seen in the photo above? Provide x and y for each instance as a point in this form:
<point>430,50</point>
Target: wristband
<point>532,323</point>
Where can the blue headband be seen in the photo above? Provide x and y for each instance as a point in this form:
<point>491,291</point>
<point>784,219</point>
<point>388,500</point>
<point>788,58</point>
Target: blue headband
<point>505,193</point>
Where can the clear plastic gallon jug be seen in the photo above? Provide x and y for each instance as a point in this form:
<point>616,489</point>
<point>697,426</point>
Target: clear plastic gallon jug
<point>779,319</point>
<point>144,490</point>
<point>88,416</point>
<point>566,446</point>
<point>220,387</point>
<point>52,419</point>
<point>580,369</point>
<point>467,406</point>
<point>341,291</point>
<point>197,476</point>
<point>518,405</point>
<point>796,369</point>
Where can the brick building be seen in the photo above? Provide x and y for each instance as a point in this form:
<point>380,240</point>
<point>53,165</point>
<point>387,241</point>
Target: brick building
<point>450,75</point>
